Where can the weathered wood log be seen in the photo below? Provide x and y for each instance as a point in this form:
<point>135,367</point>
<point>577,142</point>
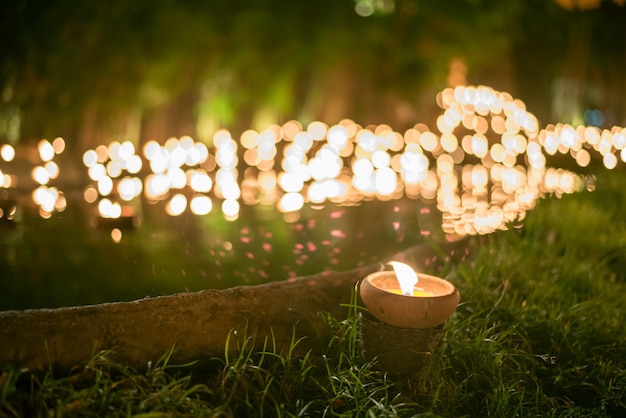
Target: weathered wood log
<point>196,324</point>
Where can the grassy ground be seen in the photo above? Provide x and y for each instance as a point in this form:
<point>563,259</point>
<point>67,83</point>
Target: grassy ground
<point>539,332</point>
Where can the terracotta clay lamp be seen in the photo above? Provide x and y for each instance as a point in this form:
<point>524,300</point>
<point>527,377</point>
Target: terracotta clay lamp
<point>403,299</point>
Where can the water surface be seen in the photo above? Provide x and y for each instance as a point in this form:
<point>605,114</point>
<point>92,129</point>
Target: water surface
<point>65,261</point>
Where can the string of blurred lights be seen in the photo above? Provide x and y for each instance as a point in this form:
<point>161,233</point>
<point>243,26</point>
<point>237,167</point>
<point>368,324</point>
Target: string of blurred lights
<point>484,169</point>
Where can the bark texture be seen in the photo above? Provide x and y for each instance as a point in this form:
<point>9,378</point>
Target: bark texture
<point>196,324</point>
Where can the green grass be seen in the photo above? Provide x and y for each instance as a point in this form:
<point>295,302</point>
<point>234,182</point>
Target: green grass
<point>539,332</point>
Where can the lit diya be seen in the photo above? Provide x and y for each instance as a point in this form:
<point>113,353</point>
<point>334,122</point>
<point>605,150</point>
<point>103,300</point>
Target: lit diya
<point>403,299</point>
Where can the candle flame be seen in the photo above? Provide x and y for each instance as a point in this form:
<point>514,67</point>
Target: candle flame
<point>406,277</point>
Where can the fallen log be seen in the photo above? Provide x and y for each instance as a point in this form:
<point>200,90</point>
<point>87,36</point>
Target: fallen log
<point>197,324</point>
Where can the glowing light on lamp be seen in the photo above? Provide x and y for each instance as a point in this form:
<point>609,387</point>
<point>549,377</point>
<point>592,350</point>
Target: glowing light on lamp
<point>426,307</point>
<point>230,209</point>
<point>46,150</point>
<point>40,175</point>
<point>7,152</point>
<point>109,209</point>
<point>177,205</point>
<point>201,205</point>
<point>291,202</point>
<point>129,187</point>
<point>407,278</point>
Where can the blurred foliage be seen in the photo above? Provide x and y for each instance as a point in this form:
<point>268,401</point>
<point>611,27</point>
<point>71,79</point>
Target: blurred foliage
<point>63,59</point>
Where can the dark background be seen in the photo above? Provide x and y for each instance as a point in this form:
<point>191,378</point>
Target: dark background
<point>95,71</point>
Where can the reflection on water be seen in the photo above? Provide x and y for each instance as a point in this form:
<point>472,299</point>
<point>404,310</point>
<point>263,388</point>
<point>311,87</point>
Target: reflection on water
<point>60,262</point>
<point>480,201</point>
<point>283,202</point>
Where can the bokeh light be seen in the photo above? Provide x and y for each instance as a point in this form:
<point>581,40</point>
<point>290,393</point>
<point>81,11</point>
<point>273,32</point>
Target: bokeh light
<point>485,166</point>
